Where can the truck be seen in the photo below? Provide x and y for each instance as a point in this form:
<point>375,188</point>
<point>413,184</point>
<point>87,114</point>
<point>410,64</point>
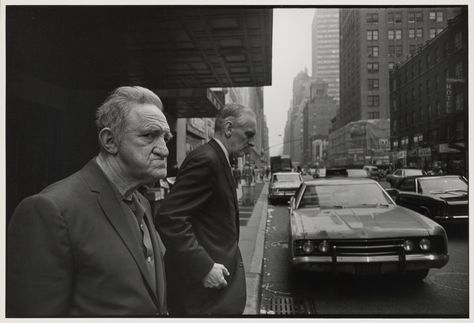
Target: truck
<point>280,163</point>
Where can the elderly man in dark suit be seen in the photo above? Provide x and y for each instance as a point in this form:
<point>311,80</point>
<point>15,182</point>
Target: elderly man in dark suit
<point>86,245</point>
<point>199,223</point>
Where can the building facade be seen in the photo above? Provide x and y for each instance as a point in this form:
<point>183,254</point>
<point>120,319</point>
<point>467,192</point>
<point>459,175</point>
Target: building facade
<point>318,111</point>
<point>372,41</point>
<point>429,103</point>
<point>325,48</point>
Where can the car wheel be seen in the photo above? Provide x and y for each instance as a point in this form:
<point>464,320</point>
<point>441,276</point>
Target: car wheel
<point>418,275</point>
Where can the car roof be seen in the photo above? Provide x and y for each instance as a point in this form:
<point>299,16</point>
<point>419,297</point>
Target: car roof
<point>344,180</point>
<point>286,173</point>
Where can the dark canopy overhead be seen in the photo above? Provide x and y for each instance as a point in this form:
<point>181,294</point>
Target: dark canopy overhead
<point>160,47</point>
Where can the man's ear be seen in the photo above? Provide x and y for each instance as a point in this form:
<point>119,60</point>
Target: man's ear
<point>108,141</point>
<point>228,128</point>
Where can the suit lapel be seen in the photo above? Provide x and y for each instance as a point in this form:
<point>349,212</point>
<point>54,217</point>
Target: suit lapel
<point>122,223</point>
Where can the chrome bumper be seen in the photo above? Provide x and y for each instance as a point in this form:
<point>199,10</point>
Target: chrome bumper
<point>453,218</point>
<point>371,264</point>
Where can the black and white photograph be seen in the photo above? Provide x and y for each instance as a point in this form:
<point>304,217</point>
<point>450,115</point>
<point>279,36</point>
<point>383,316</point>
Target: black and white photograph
<point>235,161</point>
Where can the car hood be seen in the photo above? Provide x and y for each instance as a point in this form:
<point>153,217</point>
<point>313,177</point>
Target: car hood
<point>294,185</point>
<point>361,223</point>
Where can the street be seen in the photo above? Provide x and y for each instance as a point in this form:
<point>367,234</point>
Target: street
<point>444,293</point>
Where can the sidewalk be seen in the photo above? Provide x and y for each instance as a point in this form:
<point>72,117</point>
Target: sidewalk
<point>251,246</point>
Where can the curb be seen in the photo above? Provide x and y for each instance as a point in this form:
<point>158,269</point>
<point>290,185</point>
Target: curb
<point>254,273</point>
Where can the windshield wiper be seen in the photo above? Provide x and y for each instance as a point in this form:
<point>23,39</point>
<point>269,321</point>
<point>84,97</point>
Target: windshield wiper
<point>455,190</point>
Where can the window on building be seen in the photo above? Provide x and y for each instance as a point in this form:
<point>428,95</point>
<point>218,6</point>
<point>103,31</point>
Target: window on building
<point>394,127</point>
<point>432,32</point>
<point>413,94</point>
<point>438,109</point>
<point>373,84</point>
<point>428,60</point>
<point>394,105</point>
<point>373,100</point>
<point>412,49</point>
<point>398,17</point>
<point>411,33</point>
<point>411,17</point>
<point>372,18</point>
<point>458,40</point>
<point>434,135</point>
<point>372,34</point>
<point>398,34</point>
<point>391,34</point>
<point>419,16</point>
<point>439,16</point>
<point>391,50</point>
<point>432,15</point>
<point>420,90</point>
<point>419,33</point>
<point>373,67</point>
<point>373,115</point>
<point>459,101</point>
<point>391,65</point>
<point>398,50</point>
<point>373,51</point>
<point>439,30</point>
<point>458,72</point>
<point>436,54</point>
<point>427,86</point>
<point>428,110</point>
<point>390,17</point>
<point>394,83</point>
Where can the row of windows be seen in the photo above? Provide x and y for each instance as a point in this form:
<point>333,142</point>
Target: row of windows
<point>408,74</point>
<point>446,132</point>
<point>393,34</point>
<point>396,17</point>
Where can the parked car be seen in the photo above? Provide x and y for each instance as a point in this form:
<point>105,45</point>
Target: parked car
<point>401,173</point>
<point>346,172</point>
<point>352,225</point>
<point>373,171</point>
<point>283,186</point>
<point>444,199</point>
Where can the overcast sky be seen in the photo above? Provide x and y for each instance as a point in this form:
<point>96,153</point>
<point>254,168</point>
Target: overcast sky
<point>291,54</point>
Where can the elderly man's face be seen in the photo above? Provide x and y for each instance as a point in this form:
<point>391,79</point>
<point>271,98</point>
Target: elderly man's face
<point>142,148</point>
<point>243,136</point>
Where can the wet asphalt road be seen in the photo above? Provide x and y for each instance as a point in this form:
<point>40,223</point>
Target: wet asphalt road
<point>444,293</point>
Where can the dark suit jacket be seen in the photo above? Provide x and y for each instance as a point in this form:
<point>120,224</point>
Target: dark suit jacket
<point>72,250</point>
<point>199,224</point>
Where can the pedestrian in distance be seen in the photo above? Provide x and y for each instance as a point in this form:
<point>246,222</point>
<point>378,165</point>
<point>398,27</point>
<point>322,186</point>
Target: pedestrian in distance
<point>199,223</point>
<point>86,246</point>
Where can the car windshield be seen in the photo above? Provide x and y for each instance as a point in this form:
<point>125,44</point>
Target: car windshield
<point>442,185</point>
<point>286,178</point>
<point>413,172</point>
<point>344,196</point>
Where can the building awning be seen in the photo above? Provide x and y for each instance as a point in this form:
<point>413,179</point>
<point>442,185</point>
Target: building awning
<point>159,47</point>
<point>191,103</point>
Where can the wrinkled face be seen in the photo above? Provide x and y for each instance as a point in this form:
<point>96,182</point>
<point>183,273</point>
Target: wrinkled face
<point>142,149</point>
<point>242,135</point>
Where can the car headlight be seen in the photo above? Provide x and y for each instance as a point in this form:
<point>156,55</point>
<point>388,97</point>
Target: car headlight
<point>308,246</point>
<point>425,244</point>
<point>323,246</point>
<point>408,245</point>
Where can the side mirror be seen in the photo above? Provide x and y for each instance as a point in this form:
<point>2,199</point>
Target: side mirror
<point>393,192</point>
<point>291,203</point>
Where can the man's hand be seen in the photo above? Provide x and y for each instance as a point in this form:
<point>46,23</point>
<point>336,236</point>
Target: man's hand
<point>215,278</point>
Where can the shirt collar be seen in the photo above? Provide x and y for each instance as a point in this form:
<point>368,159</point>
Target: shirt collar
<point>226,153</point>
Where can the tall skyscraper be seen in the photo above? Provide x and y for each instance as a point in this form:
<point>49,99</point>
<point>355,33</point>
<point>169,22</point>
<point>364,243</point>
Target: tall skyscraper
<point>373,40</point>
<point>325,49</point>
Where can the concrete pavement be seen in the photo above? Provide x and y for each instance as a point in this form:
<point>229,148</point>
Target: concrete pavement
<point>251,244</point>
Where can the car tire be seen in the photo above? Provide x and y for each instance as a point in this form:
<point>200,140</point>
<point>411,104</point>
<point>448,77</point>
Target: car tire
<point>418,275</point>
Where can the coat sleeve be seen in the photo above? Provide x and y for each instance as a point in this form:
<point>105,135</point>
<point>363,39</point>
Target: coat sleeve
<point>39,261</point>
<point>192,190</point>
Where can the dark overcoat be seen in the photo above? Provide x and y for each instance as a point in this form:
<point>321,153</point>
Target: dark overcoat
<point>199,224</point>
